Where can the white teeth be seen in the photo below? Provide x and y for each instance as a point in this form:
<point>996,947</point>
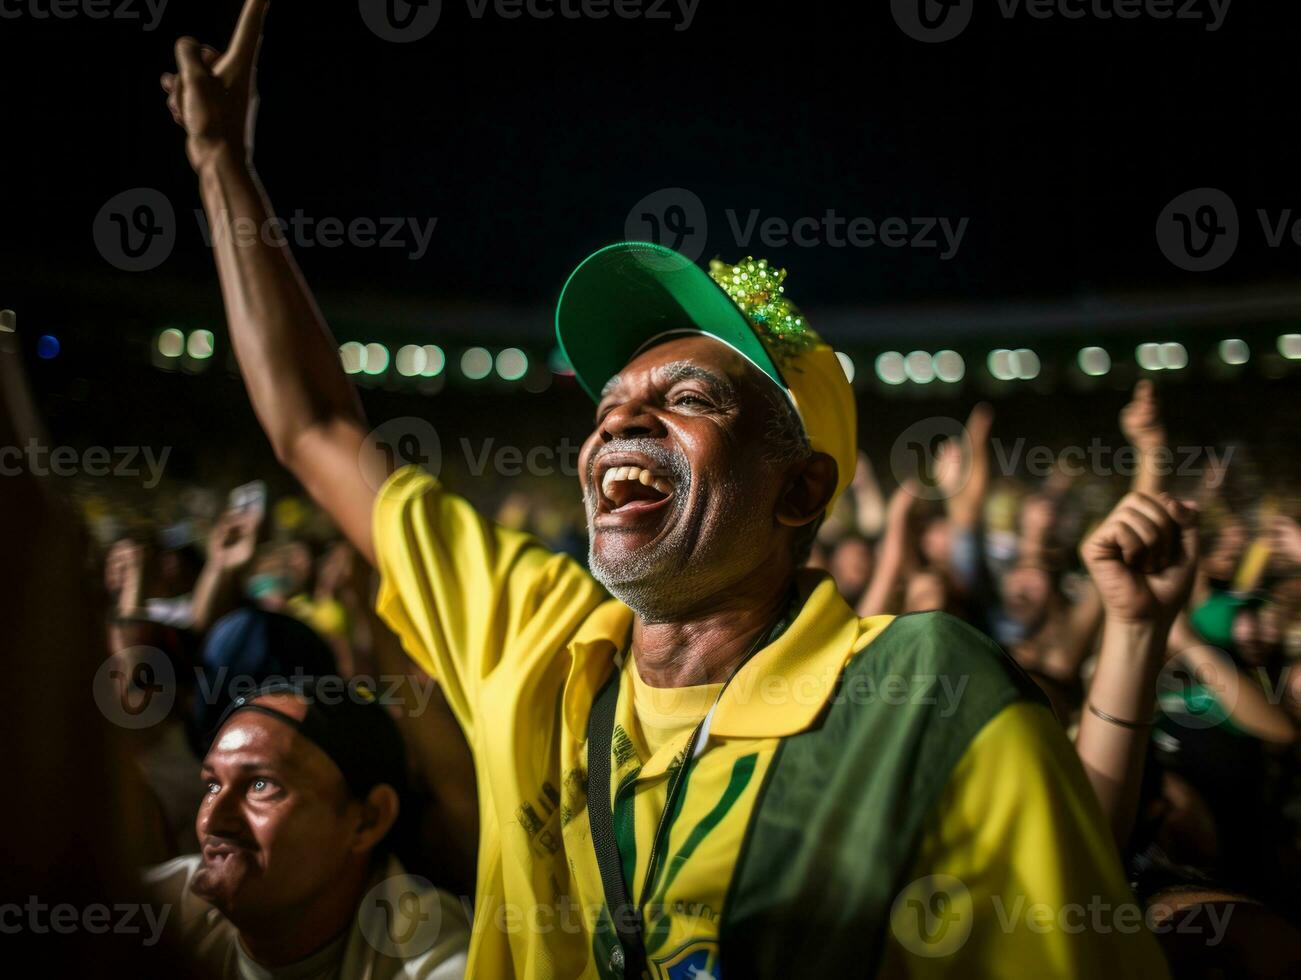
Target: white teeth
<point>635,473</point>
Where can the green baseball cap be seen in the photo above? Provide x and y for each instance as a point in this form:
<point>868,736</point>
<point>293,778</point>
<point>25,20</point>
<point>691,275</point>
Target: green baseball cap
<point>623,296</point>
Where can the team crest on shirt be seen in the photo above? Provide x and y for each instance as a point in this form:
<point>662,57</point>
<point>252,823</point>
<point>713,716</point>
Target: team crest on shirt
<point>696,960</point>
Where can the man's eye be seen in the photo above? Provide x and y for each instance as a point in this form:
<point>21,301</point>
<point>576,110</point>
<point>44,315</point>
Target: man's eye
<point>263,785</point>
<point>690,399</point>
<point>212,787</point>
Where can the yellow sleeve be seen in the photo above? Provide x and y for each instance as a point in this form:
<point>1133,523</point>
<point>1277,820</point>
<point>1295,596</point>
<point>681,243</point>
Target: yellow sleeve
<point>1017,875</point>
<point>465,595</point>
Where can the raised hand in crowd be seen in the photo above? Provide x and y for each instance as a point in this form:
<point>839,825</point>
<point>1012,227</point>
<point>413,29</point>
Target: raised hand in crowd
<point>1141,424</point>
<point>896,553</point>
<point>962,471</point>
<point>1142,559</point>
<point>231,547</point>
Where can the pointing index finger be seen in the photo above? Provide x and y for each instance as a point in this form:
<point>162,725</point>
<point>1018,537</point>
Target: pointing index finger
<point>242,52</point>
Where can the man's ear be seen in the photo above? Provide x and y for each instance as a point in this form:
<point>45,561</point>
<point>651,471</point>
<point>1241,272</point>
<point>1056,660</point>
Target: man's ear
<point>809,488</point>
<point>379,812</point>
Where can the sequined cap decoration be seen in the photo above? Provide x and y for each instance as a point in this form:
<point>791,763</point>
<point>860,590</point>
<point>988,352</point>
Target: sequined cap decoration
<point>756,288</point>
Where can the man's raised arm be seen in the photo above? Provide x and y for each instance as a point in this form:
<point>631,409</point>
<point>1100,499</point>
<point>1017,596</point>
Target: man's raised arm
<point>288,358</point>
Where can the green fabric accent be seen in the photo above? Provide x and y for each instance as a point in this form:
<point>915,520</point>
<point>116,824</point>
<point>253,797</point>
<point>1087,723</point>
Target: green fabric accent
<point>625,826</point>
<point>1213,619</point>
<point>742,773</point>
<point>843,807</point>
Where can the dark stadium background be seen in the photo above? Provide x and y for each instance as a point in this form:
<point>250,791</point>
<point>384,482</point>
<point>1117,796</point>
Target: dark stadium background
<point>530,141</point>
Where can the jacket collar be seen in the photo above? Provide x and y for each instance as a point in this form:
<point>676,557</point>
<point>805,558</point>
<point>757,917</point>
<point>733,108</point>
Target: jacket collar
<point>784,687</point>
<point>781,691</point>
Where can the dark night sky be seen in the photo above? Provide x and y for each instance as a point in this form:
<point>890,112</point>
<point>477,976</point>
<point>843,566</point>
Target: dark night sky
<point>530,140</point>
<point>1058,141</point>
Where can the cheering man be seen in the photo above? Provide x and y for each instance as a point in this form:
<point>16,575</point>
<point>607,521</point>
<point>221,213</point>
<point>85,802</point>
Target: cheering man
<point>694,758</point>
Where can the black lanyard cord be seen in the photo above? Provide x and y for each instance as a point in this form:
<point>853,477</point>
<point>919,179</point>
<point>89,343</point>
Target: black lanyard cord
<point>628,958</point>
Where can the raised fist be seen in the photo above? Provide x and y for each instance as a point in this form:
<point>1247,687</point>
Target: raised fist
<point>1140,420</point>
<point>1142,558</point>
<point>213,96</point>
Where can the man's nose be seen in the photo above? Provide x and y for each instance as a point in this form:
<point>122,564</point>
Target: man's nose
<point>631,420</point>
<point>220,815</point>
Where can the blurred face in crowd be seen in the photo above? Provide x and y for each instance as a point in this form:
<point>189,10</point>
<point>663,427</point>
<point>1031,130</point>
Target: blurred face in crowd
<point>1249,639</point>
<point>926,591</point>
<point>936,542</point>
<point>1026,595</point>
<point>1221,559</point>
<point>1292,698</point>
<point>683,495</point>
<point>277,828</point>
<point>851,566</point>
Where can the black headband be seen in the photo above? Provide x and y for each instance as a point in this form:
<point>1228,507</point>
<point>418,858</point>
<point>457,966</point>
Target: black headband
<point>348,724</point>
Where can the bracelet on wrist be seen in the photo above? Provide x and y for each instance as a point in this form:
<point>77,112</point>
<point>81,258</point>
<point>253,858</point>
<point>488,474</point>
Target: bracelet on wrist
<point>1121,722</point>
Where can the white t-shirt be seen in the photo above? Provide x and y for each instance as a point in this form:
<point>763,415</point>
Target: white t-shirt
<point>405,928</point>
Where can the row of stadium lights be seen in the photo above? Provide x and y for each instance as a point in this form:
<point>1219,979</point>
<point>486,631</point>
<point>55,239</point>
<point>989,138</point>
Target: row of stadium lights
<point>1023,364</point>
<point>430,361</point>
<point>892,367</point>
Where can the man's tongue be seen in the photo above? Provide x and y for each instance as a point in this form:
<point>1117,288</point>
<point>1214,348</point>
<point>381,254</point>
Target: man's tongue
<point>623,493</point>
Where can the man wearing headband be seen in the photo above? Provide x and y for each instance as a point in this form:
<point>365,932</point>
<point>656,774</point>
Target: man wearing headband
<point>294,877</point>
<point>695,757</point>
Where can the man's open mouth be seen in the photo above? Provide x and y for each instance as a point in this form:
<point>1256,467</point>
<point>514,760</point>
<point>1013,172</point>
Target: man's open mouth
<point>628,487</point>
<point>219,851</point>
